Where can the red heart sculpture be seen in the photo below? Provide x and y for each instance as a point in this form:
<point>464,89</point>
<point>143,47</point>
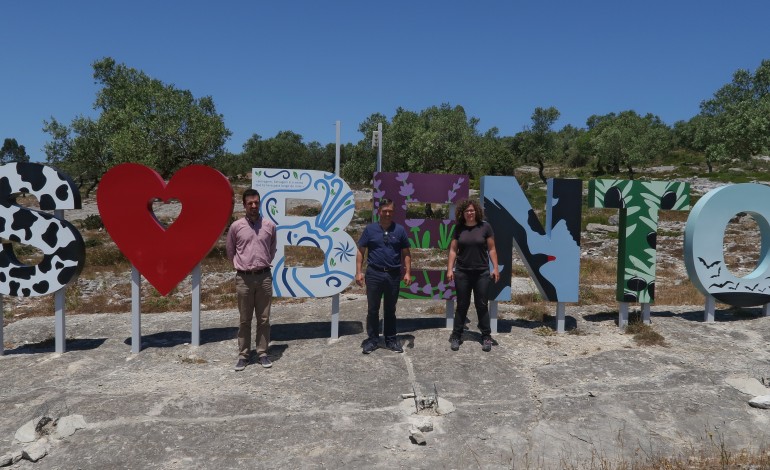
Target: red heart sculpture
<point>164,256</point>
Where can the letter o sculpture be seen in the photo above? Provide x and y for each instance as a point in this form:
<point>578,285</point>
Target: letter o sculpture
<point>704,239</point>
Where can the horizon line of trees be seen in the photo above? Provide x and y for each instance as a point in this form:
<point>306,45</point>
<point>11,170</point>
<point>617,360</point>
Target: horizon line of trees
<point>147,121</point>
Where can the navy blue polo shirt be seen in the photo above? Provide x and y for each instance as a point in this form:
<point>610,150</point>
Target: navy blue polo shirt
<point>384,246</point>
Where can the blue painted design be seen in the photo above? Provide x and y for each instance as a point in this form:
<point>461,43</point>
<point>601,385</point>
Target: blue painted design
<point>325,231</point>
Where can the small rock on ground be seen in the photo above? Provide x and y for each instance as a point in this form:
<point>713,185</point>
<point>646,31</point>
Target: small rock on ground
<point>36,451</point>
<point>67,425</point>
<point>762,401</point>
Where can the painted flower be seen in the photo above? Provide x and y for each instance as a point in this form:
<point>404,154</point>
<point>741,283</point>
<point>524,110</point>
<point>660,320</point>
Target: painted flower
<point>344,251</point>
<point>412,223</point>
<point>402,177</point>
<point>414,287</point>
<point>406,190</point>
<point>447,294</point>
<point>427,289</point>
<point>450,196</point>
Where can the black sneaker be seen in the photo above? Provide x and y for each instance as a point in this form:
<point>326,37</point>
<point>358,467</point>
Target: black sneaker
<point>455,342</point>
<point>264,361</point>
<point>486,344</point>
<point>240,365</point>
<point>394,345</point>
<point>370,345</point>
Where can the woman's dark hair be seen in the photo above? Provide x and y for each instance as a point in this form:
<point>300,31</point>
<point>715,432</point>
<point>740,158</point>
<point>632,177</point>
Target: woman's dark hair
<point>466,204</point>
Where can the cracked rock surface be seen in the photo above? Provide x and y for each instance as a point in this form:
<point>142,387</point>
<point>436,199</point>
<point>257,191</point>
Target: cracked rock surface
<point>324,404</point>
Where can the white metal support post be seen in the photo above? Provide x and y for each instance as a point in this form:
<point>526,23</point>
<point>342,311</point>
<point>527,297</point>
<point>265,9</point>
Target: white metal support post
<point>335,334</point>
<point>709,309</point>
<point>646,314</point>
<point>379,146</point>
<point>450,314</point>
<point>136,318</point>
<point>493,316</point>
<point>58,301</point>
<point>622,314</point>
<point>561,310</point>
<point>196,305</point>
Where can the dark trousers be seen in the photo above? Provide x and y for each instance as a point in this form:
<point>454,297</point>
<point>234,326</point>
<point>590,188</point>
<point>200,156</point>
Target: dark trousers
<point>381,286</point>
<point>478,282</point>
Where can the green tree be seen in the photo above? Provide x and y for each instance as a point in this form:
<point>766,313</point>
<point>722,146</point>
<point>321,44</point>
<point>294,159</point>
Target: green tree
<point>628,140</point>
<point>573,146</point>
<point>538,143</point>
<point>141,120</point>
<point>493,156</point>
<point>13,152</point>
<point>735,123</point>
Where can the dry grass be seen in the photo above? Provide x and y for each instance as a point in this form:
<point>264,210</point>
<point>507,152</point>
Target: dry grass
<point>684,293</point>
<point>193,360</point>
<point>544,331</point>
<point>597,271</point>
<point>741,249</point>
<point>436,308</point>
<point>537,312</point>
<point>115,299</point>
<point>644,334</point>
<point>303,256</point>
<point>428,258</point>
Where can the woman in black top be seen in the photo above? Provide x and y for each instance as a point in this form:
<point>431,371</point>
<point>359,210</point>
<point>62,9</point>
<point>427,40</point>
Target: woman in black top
<point>470,252</point>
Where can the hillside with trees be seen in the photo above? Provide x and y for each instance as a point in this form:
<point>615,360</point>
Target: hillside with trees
<point>145,120</point>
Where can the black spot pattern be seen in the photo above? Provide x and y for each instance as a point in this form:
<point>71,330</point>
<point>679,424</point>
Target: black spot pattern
<point>47,203</point>
<point>32,173</point>
<point>40,287</point>
<point>51,234</point>
<point>63,192</point>
<point>23,220</point>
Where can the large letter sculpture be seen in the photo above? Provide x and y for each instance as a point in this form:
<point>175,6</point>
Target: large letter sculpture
<point>59,241</point>
<point>164,256</point>
<point>704,238</point>
<point>325,231</point>
<point>551,254</point>
<point>639,203</point>
<point>410,188</point>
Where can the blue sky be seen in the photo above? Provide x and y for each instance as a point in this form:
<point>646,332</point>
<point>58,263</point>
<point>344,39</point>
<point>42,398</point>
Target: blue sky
<point>301,66</point>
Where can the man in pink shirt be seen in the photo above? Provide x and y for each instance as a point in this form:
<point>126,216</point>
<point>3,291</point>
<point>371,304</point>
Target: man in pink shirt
<point>251,246</point>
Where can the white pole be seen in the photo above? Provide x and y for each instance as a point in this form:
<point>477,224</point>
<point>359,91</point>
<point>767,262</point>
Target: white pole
<point>136,319</point>
<point>196,305</point>
<point>379,146</point>
<point>335,334</point>
<point>622,314</point>
<point>709,309</point>
<point>493,316</point>
<point>561,310</point>
<point>646,314</point>
<point>58,301</point>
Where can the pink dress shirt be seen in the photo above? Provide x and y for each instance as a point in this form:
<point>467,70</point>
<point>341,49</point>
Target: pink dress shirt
<point>251,246</point>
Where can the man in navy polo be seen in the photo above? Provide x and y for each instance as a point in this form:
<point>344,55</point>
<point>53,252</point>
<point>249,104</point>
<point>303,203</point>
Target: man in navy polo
<point>389,261</point>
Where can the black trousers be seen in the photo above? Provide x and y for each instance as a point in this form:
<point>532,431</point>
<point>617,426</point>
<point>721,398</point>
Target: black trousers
<point>478,282</point>
<point>381,286</point>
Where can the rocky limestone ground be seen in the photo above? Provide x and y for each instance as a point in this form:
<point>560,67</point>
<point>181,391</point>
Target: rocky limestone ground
<point>533,401</point>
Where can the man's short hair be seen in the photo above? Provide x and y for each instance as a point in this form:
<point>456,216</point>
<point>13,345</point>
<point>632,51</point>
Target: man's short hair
<point>385,202</point>
<point>249,193</point>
